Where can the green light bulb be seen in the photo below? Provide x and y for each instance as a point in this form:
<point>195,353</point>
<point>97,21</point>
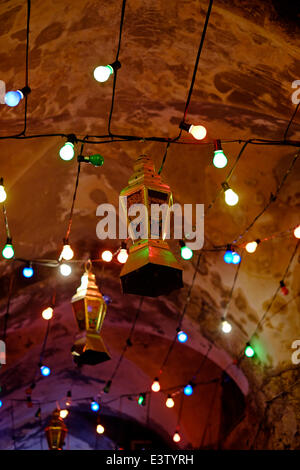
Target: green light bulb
<point>186,252</point>
<point>142,399</point>
<point>96,160</point>
<point>8,251</point>
<point>249,351</point>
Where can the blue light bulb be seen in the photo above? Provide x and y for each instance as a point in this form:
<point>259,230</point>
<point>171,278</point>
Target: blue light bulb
<point>45,370</point>
<point>236,259</point>
<point>27,271</point>
<point>182,336</point>
<point>188,390</point>
<point>95,406</point>
<point>1,403</point>
<point>13,98</point>
<point>228,258</point>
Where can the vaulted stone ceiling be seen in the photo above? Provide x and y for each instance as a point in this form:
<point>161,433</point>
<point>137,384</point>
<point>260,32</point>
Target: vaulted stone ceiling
<point>243,90</point>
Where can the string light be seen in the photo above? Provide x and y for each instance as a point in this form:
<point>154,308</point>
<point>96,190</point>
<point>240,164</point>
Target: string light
<point>45,371</point>
<point>65,269</point>
<point>8,250</point>
<point>297,232</point>
<point>236,259</point>
<point>13,98</point>
<point>28,271</point>
<point>100,429</point>
<point>231,198</point>
<point>3,194</point>
<point>249,351</point>
<point>67,151</point>
<point>69,398</point>
<point>228,256</point>
<point>219,160</point>
<point>155,385</point>
<point>103,72</point>
<point>47,314</point>
<point>185,252</point>
<point>123,254</point>
<point>283,288</point>
<point>188,389</point>
<point>226,326</point>
<point>182,336</point>
<point>1,403</point>
<point>107,256</point>
<point>63,413</point>
<point>170,402</point>
<point>67,252</point>
<point>251,246</point>
<point>142,399</point>
<point>107,386</point>
<point>96,160</point>
<point>176,437</point>
<point>198,132</point>
<point>95,406</point>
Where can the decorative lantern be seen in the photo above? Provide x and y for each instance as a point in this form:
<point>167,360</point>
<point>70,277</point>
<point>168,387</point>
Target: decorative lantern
<point>89,308</point>
<point>56,431</point>
<point>151,269</point>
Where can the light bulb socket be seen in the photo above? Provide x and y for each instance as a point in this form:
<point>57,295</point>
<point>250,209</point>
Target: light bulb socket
<point>69,394</point>
<point>282,284</point>
<point>8,241</point>
<point>258,241</point>
<point>1,182</point>
<point>217,145</point>
<point>65,241</point>
<point>225,186</point>
<point>71,138</point>
<point>116,65</point>
<point>183,125</point>
<point>123,246</point>
<point>181,243</point>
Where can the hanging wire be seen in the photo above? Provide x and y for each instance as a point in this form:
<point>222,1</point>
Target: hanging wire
<point>9,297</point>
<point>232,288</point>
<point>73,203</point>
<point>290,122</point>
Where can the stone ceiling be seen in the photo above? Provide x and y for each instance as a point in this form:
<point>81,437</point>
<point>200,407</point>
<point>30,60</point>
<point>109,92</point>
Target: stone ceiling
<point>243,90</point>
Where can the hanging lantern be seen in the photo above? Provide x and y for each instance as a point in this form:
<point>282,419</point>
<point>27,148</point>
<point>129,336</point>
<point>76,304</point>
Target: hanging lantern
<point>89,308</point>
<point>56,431</point>
<point>151,269</point>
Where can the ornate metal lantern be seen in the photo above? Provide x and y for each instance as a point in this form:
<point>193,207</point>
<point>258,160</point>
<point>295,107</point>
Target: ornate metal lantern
<point>56,431</point>
<point>151,269</point>
<point>89,308</point>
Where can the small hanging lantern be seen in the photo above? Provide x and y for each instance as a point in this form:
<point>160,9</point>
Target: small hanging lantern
<point>56,431</point>
<point>151,269</point>
<point>89,308</point>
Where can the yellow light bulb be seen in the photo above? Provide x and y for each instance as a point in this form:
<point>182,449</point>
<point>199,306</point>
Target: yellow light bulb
<point>122,256</point>
<point>47,314</point>
<point>198,132</point>
<point>231,198</point>
<point>100,429</point>
<point>176,437</point>
<point>63,413</point>
<point>251,247</point>
<point>170,402</point>
<point>156,385</point>
<point>107,256</point>
<point>2,193</point>
<point>297,232</point>
<point>67,253</point>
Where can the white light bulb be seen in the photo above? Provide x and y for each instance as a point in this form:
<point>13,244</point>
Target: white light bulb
<point>219,160</point>
<point>67,253</point>
<point>231,198</point>
<point>47,314</point>
<point>226,327</point>
<point>176,437</point>
<point>63,413</point>
<point>107,256</point>
<point>100,429</point>
<point>155,386</point>
<point>251,247</point>
<point>122,256</point>
<point>67,151</point>
<point>297,232</point>
<point>170,402</point>
<point>198,132</point>
<point>2,193</point>
<point>102,73</point>
<point>65,269</point>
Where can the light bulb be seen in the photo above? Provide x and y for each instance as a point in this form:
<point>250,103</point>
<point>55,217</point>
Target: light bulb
<point>142,399</point>
<point>103,72</point>
<point>95,406</point>
<point>182,336</point>
<point>28,271</point>
<point>186,253</point>
<point>47,314</point>
<point>231,198</point>
<point>236,259</point>
<point>1,403</point>
<point>8,251</point>
<point>13,98</point>
<point>170,402</point>
<point>45,370</point>
<point>226,327</point>
<point>219,160</point>
<point>251,247</point>
<point>188,390</point>
<point>100,429</point>
<point>156,385</point>
<point>249,351</point>
<point>176,437</point>
<point>228,257</point>
<point>65,269</point>
<point>107,256</point>
<point>67,151</point>
<point>297,232</point>
<point>2,191</point>
<point>198,132</point>
<point>67,252</point>
<point>122,256</point>
<point>63,413</point>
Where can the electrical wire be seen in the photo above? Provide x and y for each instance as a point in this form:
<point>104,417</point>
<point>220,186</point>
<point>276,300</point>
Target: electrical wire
<point>290,122</point>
